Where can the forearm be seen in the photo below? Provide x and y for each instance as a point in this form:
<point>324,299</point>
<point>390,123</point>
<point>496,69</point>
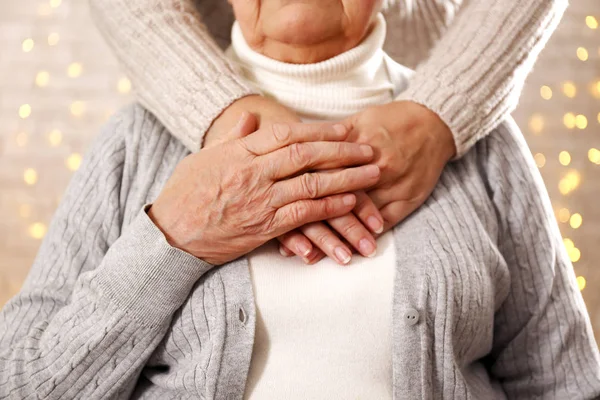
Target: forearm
<point>177,70</point>
<point>95,345</point>
<point>475,73</point>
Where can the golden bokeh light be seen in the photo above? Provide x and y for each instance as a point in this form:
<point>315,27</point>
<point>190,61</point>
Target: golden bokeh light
<point>581,121</point>
<point>37,230</point>
<point>30,176</point>
<point>594,156</point>
<point>77,108</point>
<point>569,182</point>
<point>55,137</point>
<point>591,22</point>
<point>563,215</point>
<point>540,160</point>
<point>582,53</point>
<point>595,89</point>
<point>42,78</point>
<point>568,244</point>
<point>53,39</point>
<point>564,158</point>
<point>124,86</point>
<point>576,220</point>
<point>27,45</point>
<point>574,254</point>
<point>55,3</point>
<point>74,70</point>
<point>546,92</point>
<point>74,161</point>
<point>24,111</point>
<point>581,283</point>
<point>536,124</point>
<point>569,89</point>
<point>569,120</point>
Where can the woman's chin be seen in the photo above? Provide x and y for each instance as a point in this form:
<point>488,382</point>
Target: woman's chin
<point>304,24</point>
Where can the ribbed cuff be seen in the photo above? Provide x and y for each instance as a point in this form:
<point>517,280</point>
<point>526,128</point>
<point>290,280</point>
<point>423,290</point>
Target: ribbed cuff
<point>459,113</point>
<point>145,276</point>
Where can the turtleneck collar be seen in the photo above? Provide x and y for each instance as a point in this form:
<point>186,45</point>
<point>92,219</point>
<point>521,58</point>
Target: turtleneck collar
<point>329,90</point>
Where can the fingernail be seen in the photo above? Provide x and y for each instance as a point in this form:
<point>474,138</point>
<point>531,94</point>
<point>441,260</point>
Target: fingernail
<point>340,129</point>
<point>366,247</point>
<point>342,255</point>
<point>282,251</point>
<point>375,224</point>
<point>372,170</point>
<point>366,150</point>
<point>303,249</point>
<point>348,199</point>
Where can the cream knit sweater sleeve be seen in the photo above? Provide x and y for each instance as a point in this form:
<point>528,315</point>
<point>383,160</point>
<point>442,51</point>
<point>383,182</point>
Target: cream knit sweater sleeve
<point>472,78</point>
<point>178,71</point>
<point>475,73</point>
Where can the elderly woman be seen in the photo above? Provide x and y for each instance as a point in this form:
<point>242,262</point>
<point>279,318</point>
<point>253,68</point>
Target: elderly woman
<point>158,278</point>
<point>472,57</point>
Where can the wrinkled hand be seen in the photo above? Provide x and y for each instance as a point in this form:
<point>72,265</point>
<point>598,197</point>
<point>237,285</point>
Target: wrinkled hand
<point>226,200</point>
<point>412,145</point>
<point>352,227</point>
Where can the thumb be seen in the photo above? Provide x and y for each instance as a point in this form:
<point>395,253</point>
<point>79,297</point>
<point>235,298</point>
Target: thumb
<point>245,126</point>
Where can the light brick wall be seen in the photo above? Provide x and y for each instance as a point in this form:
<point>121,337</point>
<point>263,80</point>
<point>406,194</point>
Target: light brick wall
<point>26,143</point>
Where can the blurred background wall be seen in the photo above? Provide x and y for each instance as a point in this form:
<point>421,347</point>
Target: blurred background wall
<point>59,83</point>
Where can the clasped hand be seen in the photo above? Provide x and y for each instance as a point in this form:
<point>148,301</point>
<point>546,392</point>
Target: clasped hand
<point>411,146</point>
<point>228,199</point>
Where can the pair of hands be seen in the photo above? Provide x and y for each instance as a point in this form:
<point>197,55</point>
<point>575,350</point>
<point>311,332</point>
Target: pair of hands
<point>411,145</point>
<point>240,171</point>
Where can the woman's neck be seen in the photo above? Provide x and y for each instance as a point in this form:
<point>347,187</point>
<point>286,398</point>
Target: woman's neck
<point>331,89</point>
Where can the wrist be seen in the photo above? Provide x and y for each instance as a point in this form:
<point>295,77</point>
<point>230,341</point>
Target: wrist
<point>437,129</point>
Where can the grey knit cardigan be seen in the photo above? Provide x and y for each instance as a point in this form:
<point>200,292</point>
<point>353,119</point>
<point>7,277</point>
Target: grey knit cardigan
<point>485,301</point>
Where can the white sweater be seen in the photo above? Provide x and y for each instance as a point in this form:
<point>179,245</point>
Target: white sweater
<point>326,325</point>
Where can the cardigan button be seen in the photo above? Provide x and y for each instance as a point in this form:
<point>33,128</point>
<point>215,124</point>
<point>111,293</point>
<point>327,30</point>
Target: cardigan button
<point>411,317</point>
<point>242,315</point>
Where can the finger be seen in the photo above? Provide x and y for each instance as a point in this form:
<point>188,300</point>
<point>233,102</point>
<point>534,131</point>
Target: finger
<point>298,244</point>
<point>367,212</point>
<point>355,233</point>
<point>276,136</point>
<point>397,211</point>
<point>245,126</point>
<point>302,212</point>
<point>315,256</point>
<point>284,251</point>
<point>323,183</point>
<point>299,157</point>
<point>399,190</point>
<point>329,243</point>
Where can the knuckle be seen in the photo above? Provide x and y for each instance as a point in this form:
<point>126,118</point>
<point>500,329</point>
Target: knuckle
<point>322,238</point>
<point>300,213</point>
<point>310,184</point>
<point>300,154</point>
<point>349,227</point>
<point>281,132</point>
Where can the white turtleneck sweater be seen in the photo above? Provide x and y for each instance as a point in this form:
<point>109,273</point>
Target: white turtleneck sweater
<point>323,331</point>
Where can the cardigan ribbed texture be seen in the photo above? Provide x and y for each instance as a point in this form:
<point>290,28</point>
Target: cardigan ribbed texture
<point>485,303</point>
<point>472,56</point>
